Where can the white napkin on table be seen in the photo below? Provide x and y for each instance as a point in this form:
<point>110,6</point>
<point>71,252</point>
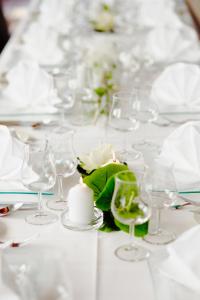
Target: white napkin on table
<point>167,44</point>
<point>182,265</point>
<point>177,88</point>
<point>30,90</point>
<point>157,13</point>
<point>11,159</point>
<point>40,43</point>
<point>181,148</point>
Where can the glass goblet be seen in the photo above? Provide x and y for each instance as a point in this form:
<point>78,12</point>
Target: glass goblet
<point>123,119</point>
<point>129,209</point>
<point>146,113</point>
<point>39,175</point>
<point>161,187</point>
<point>61,142</point>
<point>64,82</point>
<point>84,109</point>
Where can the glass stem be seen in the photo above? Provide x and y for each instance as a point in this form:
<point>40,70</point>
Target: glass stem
<point>62,117</point>
<point>40,202</point>
<point>154,226</point>
<point>131,233</point>
<point>60,188</point>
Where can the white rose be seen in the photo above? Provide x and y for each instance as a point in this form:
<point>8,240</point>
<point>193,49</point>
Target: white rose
<point>97,158</point>
<point>101,52</point>
<point>104,22</point>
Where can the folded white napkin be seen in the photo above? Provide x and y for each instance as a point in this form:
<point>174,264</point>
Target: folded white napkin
<point>11,159</point>
<point>21,274</point>
<point>181,148</point>
<point>7,293</point>
<point>60,20</point>
<point>167,44</point>
<point>157,13</point>
<point>40,43</point>
<point>11,155</point>
<point>30,90</point>
<point>177,88</point>
<point>182,266</point>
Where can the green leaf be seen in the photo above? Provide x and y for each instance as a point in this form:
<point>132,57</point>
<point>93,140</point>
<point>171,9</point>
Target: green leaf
<point>100,91</point>
<point>108,75</point>
<point>102,182</point>
<point>121,226</point>
<point>109,223</point>
<point>104,199</point>
<point>81,171</point>
<point>98,179</point>
<point>106,7</point>
<point>141,230</point>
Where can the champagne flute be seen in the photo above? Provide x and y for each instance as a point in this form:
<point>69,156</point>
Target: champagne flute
<point>39,175</point>
<point>61,141</point>
<point>128,208</point>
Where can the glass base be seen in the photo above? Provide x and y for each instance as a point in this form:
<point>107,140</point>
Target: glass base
<point>196,216</point>
<point>144,145</point>
<point>58,205</point>
<point>132,253</point>
<point>127,155</point>
<point>42,218</point>
<point>161,238</point>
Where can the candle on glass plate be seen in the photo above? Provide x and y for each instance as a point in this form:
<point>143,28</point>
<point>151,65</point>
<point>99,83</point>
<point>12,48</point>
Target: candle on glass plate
<point>81,204</point>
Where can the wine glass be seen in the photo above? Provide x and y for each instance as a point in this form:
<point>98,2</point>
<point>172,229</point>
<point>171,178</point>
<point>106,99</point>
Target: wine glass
<point>39,175</point>
<point>161,187</point>
<point>61,142</point>
<point>128,208</point>
<point>146,113</point>
<point>64,82</point>
<point>122,118</point>
<point>84,109</point>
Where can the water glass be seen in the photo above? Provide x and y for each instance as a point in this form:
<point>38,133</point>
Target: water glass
<point>61,142</point>
<point>123,119</point>
<point>161,187</point>
<point>65,84</point>
<point>84,109</point>
<point>39,175</point>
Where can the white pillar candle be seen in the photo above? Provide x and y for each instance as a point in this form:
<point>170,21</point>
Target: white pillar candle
<point>80,204</point>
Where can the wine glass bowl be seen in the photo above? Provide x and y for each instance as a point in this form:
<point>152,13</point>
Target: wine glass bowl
<point>129,209</point>
<point>122,115</point>
<point>161,187</point>
<point>39,175</point>
<point>146,113</point>
<point>64,83</point>
<point>122,118</point>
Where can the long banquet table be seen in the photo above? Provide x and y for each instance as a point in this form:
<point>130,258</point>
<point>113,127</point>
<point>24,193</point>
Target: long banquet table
<point>95,272</point>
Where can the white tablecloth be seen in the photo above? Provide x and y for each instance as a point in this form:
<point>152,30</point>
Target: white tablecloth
<point>95,271</point>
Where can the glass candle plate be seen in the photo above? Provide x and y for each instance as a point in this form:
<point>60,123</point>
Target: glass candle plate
<point>96,222</point>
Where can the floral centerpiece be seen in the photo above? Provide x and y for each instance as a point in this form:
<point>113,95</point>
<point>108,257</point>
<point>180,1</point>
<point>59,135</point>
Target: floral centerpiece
<point>98,170</point>
<point>103,20</point>
<point>102,60</point>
